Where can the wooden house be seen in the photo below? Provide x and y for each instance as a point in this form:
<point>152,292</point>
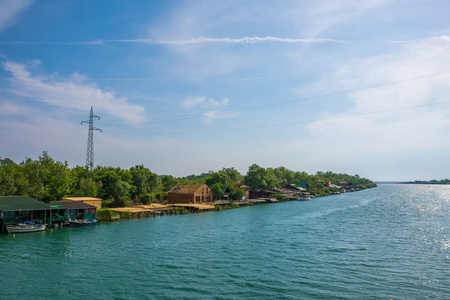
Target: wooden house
<point>77,210</point>
<point>256,194</point>
<point>190,193</point>
<point>17,209</point>
<point>226,193</point>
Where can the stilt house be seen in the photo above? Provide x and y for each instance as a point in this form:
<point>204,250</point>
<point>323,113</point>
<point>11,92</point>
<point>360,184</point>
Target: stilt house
<point>17,209</point>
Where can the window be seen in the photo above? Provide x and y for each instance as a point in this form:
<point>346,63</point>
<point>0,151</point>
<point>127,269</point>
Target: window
<point>10,214</point>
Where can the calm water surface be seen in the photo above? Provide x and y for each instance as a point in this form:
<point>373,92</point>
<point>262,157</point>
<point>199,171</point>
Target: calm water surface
<point>391,242</point>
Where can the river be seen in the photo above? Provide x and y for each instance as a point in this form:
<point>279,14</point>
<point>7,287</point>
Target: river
<point>390,242</point>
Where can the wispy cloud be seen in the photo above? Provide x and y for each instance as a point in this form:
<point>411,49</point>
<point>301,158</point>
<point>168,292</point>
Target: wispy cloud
<point>209,116</point>
<point>96,42</point>
<point>199,40</point>
<point>10,9</point>
<point>70,93</point>
<point>218,103</point>
<point>244,40</point>
<point>205,102</point>
<point>191,102</point>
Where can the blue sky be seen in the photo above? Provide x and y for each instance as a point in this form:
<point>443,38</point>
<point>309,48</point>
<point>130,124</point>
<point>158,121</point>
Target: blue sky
<point>185,87</point>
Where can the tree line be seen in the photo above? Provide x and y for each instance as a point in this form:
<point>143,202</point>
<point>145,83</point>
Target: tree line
<point>48,180</point>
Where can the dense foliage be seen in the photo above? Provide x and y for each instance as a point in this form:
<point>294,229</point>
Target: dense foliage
<point>48,180</point>
<point>434,181</point>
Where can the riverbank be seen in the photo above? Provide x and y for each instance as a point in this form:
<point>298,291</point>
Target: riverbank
<point>158,210</point>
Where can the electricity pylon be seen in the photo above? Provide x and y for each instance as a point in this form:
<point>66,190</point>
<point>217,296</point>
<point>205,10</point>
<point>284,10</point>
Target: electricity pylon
<point>90,144</point>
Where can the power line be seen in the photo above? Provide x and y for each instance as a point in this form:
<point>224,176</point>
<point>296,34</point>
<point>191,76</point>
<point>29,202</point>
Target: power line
<point>296,100</point>
<point>292,123</point>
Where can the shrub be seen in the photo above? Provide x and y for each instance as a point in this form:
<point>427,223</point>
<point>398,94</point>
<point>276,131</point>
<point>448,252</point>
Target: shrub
<point>147,198</point>
<point>106,213</point>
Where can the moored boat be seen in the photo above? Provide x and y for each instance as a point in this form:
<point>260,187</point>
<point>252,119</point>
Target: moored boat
<point>304,196</point>
<point>27,226</point>
<point>83,222</point>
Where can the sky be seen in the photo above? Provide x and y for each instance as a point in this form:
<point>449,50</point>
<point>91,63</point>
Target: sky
<point>185,87</point>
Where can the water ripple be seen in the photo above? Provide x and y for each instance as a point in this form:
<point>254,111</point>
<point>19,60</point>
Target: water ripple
<point>388,242</point>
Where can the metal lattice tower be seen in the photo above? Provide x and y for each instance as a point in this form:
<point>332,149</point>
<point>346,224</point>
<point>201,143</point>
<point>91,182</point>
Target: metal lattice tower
<point>90,144</point>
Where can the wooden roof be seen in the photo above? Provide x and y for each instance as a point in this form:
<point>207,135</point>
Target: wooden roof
<point>81,198</point>
<point>187,189</point>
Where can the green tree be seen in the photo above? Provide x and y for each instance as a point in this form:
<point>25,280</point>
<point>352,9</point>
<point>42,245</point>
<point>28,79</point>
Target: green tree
<point>216,177</point>
<point>233,176</point>
<point>168,182</point>
<point>237,194</point>
<point>217,190</point>
<point>87,188</point>
<point>58,182</point>
<point>144,180</point>
<point>7,183</point>
<point>255,177</point>
<point>36,175</point>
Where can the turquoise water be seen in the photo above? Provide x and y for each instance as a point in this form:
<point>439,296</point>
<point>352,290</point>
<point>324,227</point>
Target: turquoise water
<point>391,242</point>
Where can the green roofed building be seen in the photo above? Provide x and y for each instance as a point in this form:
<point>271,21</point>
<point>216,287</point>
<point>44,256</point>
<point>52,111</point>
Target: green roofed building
<point>17,209</point>
<point>77,210</point>
<point>303,185</point>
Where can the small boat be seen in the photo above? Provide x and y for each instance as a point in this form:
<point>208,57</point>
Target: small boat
<point>83,222</point>
<point>27,226</point>
<point>304,197</point>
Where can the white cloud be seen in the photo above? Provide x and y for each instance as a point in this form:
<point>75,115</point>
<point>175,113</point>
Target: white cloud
<point>10,9</point>
<point>197,32</point>
<point>70,93</point>
<point>209,116</point>
<point>204,102</point>
<point>191,102</point>
<point>227,40</point>
<point>217,103</point>
<point>35,133</point>
<point>408,136</point>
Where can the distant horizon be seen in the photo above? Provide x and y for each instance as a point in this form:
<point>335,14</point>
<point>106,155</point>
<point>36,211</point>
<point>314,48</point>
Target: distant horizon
<point>242,172</point>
